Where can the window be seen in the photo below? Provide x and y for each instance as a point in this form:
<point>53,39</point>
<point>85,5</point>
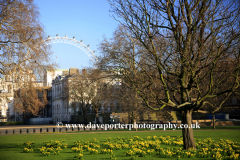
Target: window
<point>8,112</point>
<point>9,89</point>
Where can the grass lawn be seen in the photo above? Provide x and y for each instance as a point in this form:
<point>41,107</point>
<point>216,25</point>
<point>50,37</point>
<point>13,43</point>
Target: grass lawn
<point>9,149</point>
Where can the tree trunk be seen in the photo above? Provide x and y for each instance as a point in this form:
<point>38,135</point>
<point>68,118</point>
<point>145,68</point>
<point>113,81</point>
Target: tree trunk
<point>213,120</point>
<point>85,115</point>
<point>129,117</point>
<point>96,116</point>
<point>188,139</point>
<point>133,120</point>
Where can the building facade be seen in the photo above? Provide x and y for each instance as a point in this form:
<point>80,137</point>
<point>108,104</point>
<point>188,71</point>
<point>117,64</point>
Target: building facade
<point>61,103</point>
<point>9,84</point>
<point>60,106</point>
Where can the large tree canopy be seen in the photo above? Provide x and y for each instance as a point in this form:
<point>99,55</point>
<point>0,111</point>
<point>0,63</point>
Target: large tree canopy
<point>30,100</point>
<point>20,36</point>
<point>86,90</point>
<point>179,54</point>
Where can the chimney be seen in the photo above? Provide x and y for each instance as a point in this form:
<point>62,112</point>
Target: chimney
<point>73,70</point>
<point>84,71</point>
<point>65,73</point>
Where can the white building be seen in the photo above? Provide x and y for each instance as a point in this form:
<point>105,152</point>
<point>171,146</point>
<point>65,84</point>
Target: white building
<point>9,84</point>
<point>6,99</point>
<point>58,79</point>
<point>52,74</point>
<point>61,108</point>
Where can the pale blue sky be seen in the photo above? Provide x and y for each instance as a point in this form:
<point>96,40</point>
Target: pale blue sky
<point>87,20</point>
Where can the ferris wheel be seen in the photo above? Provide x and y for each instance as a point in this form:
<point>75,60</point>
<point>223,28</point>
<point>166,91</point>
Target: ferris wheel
<point>72,41</point>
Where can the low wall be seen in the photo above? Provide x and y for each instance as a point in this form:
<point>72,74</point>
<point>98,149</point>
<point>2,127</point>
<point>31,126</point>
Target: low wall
<point>201,122</point>
<point>221,123</point>
<point>79,119</point>
<point>209,123</point>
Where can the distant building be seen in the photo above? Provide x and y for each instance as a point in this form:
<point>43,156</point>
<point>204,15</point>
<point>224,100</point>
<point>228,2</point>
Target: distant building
<point>52,74</point>
<point>55,82</point>
<point>61,103</point>
<point>8,85</point>
<point>63,106</point>
<point>232,107</point>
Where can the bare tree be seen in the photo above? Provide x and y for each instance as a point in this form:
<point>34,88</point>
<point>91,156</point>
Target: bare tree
<point>21,37</point>
<point>129,101</point>
<point>180,46</point>
<point>99,88</point>
<point>214,104</point>
<point>79,93</point>
<point>86,91</point>
<point>23,57</point>
<point>30,100</point>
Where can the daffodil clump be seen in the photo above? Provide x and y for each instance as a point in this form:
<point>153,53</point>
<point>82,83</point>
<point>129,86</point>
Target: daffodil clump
<point>94,145</point>
<point>52,150</point>
<point>141,147</point>
<point>176,152</point>
<point>28,146</point>
<point>113,157</point>
<point>77,143</point>
<point>55,144</point>
<point>207,148</point>
<point>79,156</point>
<point>106,151</point>
<point>93,151</point>
<point>223,149</point>
<point>111,145</point>
<point>46,153</point>
<point>27,150</point>
<point>94,140</point>
<point>108,139</point>
<point>85,146</point>
<point>89,146</point>
<point>138,152</point>
<point>52,147</point>
<point>77,149</point>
